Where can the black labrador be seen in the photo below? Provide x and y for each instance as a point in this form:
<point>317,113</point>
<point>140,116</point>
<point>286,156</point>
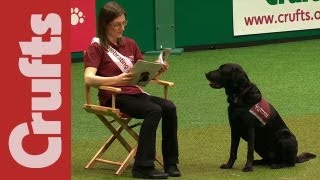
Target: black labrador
<point>252,118</point>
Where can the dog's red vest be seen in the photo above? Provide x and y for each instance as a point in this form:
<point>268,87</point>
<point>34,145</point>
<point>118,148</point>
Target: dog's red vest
<point>261,111</point>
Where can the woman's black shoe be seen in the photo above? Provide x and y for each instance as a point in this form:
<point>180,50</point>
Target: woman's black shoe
<point>148,173</point>
<point>172,170</point>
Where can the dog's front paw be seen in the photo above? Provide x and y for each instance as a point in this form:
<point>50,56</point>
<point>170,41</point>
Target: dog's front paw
<point>247,169</point>
<point>226,166</point>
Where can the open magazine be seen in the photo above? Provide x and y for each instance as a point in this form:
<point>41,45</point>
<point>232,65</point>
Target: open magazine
<point>147,71</point>
<point>163,56</point>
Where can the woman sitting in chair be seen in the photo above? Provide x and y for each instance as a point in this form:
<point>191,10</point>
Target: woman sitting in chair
<point>108,62</point>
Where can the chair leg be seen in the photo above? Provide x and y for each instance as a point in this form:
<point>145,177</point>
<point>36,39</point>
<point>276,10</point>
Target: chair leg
<point>103,149</point>
<point>126,162</point>
<point>159,160</point>
<point>127,128</point>
<point>116,134</point>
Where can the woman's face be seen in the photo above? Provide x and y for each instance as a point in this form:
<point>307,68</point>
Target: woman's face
<point>116,27</point>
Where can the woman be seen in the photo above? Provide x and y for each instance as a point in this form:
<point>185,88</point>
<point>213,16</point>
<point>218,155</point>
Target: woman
<point>102,67</point>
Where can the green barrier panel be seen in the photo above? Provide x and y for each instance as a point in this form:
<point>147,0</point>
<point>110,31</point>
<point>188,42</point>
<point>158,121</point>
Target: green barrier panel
<point>196,23</point>
<point>210,22</point>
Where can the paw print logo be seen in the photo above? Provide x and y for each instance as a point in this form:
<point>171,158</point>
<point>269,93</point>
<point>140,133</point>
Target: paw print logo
<point>76,16</point>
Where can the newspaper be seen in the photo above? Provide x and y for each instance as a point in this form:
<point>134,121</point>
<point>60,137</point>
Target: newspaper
<point>146,71</point>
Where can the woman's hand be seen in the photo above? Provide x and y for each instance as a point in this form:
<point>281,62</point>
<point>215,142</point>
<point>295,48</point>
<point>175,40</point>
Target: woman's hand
<point>163,69</point>
<point>125,78</point>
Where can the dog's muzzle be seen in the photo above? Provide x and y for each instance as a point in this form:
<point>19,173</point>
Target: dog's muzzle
<point>213,77</point>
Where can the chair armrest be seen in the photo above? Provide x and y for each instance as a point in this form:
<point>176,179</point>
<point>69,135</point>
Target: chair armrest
<point>100,109</point>
<point>162,82</point>
<point>113,91</point>
<point>110,89</point>
<point>165,85</point>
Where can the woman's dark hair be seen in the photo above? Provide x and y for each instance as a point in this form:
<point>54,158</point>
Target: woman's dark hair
<point>108,13</point>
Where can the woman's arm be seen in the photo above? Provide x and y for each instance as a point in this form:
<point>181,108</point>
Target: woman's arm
<point>92,79</point>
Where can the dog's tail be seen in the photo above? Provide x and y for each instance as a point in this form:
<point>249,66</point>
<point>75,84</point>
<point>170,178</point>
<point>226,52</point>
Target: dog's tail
<point>303,157</point>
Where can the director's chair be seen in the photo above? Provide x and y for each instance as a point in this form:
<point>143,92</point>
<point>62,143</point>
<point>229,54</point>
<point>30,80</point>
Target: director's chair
<point>117,123</point>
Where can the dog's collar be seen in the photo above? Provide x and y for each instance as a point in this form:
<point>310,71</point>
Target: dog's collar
<point>245,90</point>
<point>235,97</point>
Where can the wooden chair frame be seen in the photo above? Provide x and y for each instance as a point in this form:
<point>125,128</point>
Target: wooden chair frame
<point>117,122</point>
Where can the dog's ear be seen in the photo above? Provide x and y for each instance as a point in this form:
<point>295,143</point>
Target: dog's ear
<point>239,77</point>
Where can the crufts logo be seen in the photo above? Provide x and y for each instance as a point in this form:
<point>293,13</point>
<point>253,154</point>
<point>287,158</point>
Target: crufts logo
<point>45,78</point>
<point>76,16</point>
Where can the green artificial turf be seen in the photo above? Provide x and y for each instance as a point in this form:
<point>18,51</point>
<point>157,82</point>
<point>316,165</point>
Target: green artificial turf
<point>287,75</point>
